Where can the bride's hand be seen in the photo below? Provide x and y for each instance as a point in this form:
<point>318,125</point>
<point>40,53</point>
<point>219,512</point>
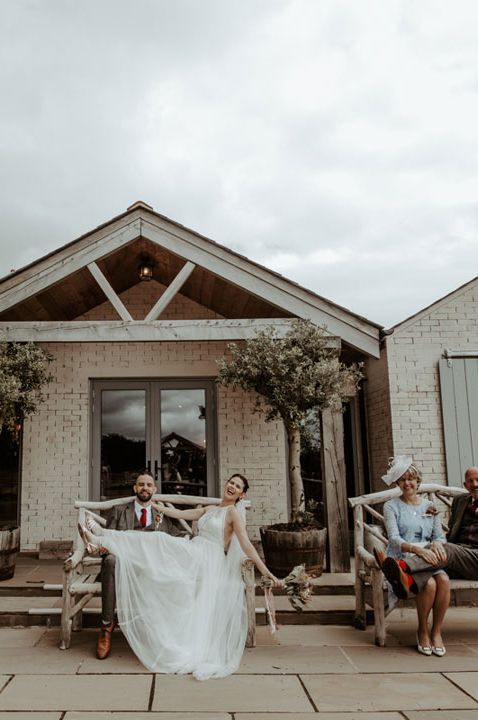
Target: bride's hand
<point>158,505</point>
<point>276,582</point>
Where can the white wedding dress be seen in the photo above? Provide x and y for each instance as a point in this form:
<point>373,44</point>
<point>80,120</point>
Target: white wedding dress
<point>181,602</point>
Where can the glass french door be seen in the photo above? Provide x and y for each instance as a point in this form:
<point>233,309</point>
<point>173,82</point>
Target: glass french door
<point>164,426</point>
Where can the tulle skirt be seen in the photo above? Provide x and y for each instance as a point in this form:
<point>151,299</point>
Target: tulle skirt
<point>180,602</point>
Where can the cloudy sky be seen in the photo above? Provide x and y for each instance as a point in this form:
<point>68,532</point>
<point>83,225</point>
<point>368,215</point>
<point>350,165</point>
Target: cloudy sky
<point>333,141</point>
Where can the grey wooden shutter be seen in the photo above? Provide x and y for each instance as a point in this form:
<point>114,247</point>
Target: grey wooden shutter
<point>459,401</point>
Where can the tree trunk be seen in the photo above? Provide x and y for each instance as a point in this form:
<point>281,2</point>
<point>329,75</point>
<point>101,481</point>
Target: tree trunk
<point>295,477</point>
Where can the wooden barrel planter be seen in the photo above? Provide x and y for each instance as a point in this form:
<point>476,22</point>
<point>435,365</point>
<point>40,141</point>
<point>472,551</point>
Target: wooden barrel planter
<point>9,548</point>
<point>284,549</point>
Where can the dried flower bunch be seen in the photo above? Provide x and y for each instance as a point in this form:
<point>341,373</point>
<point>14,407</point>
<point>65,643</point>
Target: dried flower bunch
<point>298,588</point>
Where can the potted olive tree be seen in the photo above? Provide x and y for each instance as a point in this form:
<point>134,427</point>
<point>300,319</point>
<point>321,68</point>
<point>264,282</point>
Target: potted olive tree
<point>295,377</point>
<point>23,374</point>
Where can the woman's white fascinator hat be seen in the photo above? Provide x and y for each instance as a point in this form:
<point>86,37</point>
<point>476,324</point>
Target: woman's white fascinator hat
<point>396,467</point>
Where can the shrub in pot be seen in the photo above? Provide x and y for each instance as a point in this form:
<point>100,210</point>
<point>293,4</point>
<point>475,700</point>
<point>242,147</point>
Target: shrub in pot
<point>295,378</point>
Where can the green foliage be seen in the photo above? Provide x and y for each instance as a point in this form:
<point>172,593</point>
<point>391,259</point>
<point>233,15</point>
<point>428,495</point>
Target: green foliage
<point>23,374</point>
<point>294,376</point>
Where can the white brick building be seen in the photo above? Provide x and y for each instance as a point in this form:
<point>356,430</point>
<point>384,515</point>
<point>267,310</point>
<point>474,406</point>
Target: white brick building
<point>134,367</point>
<point>422,393</point>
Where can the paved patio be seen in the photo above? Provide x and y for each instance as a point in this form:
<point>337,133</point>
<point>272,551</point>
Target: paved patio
<point>334,672</point>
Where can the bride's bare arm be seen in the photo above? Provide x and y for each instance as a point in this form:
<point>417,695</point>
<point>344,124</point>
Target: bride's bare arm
<point>239,528</point>
<point>191,514</point>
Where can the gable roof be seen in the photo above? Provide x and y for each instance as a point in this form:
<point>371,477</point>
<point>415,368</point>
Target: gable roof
<point>444,300</point>
<point>141,223</point>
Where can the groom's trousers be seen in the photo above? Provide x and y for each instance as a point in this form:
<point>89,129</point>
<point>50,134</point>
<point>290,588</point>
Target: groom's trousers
<point>108,588</point>
<point>461,562</point>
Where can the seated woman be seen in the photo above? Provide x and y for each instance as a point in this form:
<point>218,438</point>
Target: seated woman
<point>413,527</point>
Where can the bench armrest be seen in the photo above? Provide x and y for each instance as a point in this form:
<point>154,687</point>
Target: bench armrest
<point>74,560</point>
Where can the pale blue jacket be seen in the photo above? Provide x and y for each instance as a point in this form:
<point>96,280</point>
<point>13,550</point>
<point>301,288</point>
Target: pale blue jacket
<point>410,524</point>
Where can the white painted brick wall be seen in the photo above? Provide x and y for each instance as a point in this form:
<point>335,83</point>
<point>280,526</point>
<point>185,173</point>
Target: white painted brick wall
<point>413,354</point>
<point>56,440</point>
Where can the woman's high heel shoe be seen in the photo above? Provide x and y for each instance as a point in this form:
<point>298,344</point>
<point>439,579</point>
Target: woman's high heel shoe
<point>424,649</point>
<point>90,547</point>
<point>438,650</point>
<point>92,525</point>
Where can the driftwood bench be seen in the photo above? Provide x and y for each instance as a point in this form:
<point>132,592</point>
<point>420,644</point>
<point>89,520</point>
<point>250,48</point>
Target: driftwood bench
<point>80,569</point>
<point>369,531</point>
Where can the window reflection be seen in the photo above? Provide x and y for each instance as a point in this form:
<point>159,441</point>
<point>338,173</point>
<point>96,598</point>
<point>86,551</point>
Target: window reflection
<point>123,440</point>
<point>183,441</point>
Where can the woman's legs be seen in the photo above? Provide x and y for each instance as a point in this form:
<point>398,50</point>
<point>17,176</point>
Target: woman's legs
<point>440,606</point>
<point>425,601</point>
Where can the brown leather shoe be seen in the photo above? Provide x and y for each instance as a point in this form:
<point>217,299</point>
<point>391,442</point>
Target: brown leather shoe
<point>103,646</point>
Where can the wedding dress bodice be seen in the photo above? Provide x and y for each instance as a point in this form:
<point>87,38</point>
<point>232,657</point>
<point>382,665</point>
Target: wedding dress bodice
<point>211,525</point>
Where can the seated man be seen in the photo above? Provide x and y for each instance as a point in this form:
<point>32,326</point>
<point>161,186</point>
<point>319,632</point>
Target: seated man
<point>135,515</point>
<point>459,555</point>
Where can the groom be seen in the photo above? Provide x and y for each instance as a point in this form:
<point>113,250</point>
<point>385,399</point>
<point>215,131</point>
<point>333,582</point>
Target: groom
<point>135,515</point>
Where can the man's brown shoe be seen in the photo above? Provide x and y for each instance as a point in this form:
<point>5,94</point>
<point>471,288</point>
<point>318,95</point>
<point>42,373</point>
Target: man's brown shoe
<point>103,646</point>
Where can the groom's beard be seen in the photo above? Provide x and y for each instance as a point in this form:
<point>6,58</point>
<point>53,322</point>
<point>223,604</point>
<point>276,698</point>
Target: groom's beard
<point>144,495</point>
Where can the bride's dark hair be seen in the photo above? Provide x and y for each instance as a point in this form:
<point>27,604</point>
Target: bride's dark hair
<point>245,481</point>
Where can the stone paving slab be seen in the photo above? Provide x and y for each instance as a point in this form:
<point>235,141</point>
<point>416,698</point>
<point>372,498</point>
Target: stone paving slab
<point>121,660</point>
<point>405,659</point>
<point>236,693</point>
<point>455,634</point>
<point>77,692</point>
<point>320,716</point>
<point>264,636</point>
<point>151,716</point>
<point>38,661</point>
<point>468,681</point>
<point>326,635</point>
<point>295,659</point>
<point>442,715</point>
<point>3,680</point>
<point>404,691</point>
<point>20,637</point>
<point>31,716</point>
<point>409,614</point>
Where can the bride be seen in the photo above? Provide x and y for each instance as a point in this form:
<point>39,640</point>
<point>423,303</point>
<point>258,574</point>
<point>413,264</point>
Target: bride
<point>181,602</point>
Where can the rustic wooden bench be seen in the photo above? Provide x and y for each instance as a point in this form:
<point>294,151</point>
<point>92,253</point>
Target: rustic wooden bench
<point>369,531</point>
<point>80,569</point>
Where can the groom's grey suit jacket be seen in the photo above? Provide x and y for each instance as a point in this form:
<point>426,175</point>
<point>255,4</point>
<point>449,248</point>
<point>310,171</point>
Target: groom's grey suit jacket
<point>123,517</point>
